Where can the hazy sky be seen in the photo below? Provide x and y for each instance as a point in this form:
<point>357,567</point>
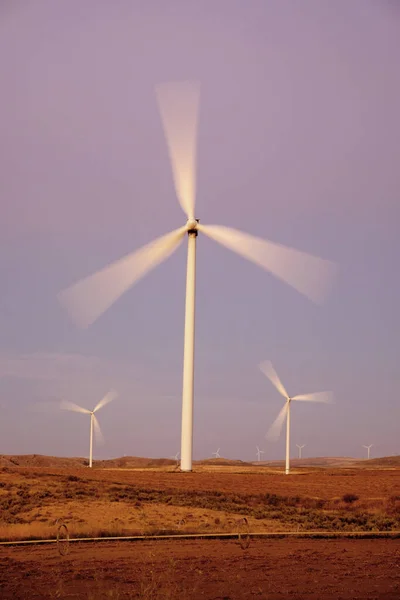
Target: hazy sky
<point>299,142</point>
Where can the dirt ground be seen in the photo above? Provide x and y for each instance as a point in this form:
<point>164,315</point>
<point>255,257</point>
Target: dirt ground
<point>322,483</point>
<point>209,569</point>
<point>312,482</point>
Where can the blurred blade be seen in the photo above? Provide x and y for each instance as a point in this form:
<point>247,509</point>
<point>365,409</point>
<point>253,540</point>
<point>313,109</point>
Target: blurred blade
<point>97,431</point>
<point>326,397</point>
<point>87,299</point>
<point>71,406</point>
<point>309,275</point>
<point>179,105</point>
<point>275,430</point>
<point>111,395</point>
<point>268,370</point>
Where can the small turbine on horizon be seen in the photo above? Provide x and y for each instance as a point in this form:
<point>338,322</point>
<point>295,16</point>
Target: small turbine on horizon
<point>275,429</point>
<point>94,424</point>
<point>175,458</point>
<point>300,449</point>
<point>259,452</point>
<point>217,454</point>
<point>368,450</point>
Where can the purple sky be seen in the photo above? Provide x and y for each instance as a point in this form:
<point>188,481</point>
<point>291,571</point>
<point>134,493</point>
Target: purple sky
<point>299,142</point>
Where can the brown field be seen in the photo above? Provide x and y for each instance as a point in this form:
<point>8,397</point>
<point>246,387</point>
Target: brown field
<point>156,499</point>
<point>212,569</point>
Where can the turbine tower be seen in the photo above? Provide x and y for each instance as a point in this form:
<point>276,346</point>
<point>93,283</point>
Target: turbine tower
<point>275,429</point>
<point>300,449</point>
<point>368,450</point>
<point>94,424</point>
<point>87,299</point>
<point>217,454</point>
<point>259,452</point>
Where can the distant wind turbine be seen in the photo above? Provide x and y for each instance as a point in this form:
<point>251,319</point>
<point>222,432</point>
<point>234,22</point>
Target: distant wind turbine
<point>275,429</point>
<point>217,454</point>
<point>259,452</point>
<point>368,450</point>
<point>87,299</point>
<point>300,449</point>
<point>94,424</point>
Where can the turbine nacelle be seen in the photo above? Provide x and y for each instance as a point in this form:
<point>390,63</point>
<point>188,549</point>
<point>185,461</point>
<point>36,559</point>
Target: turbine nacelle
<point>192,225</point>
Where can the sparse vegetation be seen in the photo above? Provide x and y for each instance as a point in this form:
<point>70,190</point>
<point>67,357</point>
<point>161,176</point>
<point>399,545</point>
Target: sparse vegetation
<point>350,498</point>
<point>94,503</point>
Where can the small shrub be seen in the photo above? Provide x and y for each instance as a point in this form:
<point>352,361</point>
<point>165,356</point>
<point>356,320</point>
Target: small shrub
<point>350,498</point>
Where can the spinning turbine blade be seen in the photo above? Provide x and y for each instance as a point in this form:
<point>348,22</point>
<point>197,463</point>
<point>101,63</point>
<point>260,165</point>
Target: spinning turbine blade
<point>308,274</point>
<point>107,398</point>
<point>268,370</point>
<point>276,427</point>
<point>326,397</point>
<point>87,299</point>
<point>97,431</point>
<point>71,406</point>
<point>179,105</point>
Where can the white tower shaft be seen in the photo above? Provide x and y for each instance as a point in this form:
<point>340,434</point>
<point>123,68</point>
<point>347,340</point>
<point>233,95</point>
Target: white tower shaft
<point>287,469</point>
<point>300,449</point>
<point>188,357</point>
<point>91,440</point>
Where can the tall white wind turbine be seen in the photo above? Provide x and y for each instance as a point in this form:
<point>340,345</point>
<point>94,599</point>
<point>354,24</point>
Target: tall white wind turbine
<point>275,429</point>
<point>94,424</point>
<point>368,448</point>
<point>217,454</point>
<point>300,448</point>
<point>87,299</point>
<point>259,452</point>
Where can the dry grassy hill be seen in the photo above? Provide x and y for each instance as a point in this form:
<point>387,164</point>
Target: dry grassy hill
<point>137,462</point>
<point>383,462</point>
<point>124,462</point>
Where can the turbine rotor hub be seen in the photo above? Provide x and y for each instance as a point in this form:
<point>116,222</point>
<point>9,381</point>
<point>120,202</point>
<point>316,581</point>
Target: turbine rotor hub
<point>192,226</point>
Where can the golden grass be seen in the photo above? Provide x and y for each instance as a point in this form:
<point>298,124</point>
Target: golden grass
<point>97,503</point>
<point>98,519</point>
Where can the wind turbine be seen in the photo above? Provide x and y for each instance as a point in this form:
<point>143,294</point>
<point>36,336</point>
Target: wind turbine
<point>368,450</point>
<point>175,458</point>
<point>87,299</point>
<point>300,449</point>
<point>217,454</point>
<point>259,452</point>
<point>275,429</point>
<point>94,424</point>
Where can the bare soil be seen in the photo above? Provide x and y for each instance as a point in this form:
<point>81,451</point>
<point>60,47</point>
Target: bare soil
<point>210,569</point>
